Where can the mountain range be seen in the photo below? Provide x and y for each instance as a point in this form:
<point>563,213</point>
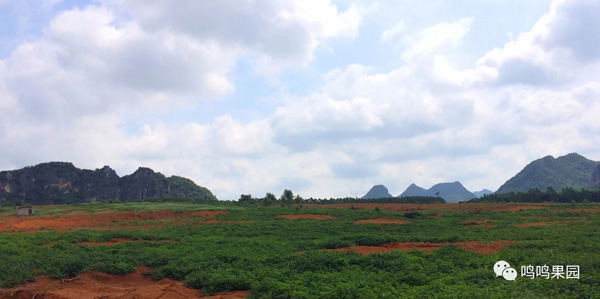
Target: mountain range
<point>569,171</point>
<point>62,182</point>
<point>451,192</point>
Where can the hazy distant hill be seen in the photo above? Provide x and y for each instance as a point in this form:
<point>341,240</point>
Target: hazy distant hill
<point>61,182</point>
<point>414,190</point>
<point>377,191</point>
<point>482,192</point>
<point>451,192</point>
<point>572,170</point>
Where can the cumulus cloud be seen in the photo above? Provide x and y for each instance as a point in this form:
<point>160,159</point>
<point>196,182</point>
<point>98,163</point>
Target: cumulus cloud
<point>559,43</point>
<point>391,33</point>
<point>432,39</point>
<point>101,82</point>
<point>280,32</point>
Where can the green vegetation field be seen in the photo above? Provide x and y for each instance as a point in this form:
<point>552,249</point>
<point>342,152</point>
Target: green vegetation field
<point>281,258</point>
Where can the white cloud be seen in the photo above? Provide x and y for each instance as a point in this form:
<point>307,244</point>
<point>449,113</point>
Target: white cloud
<point>434,38</point>
<point>281,33</point>
<point>390,33</point>
<point>101,83</point>
<point>554,49</point>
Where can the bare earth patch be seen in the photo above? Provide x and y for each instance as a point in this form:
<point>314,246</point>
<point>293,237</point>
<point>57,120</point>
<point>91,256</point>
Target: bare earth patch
<point>382,220</point>
<point>547,223</point>
<point>426,246</point>
<point>101,285</point>
<point>306,216</point>
<point>98,221</point>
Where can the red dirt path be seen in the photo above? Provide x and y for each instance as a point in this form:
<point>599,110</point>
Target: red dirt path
<point>425,246</point>
<point>101,285</point>
<point>103,220</point>
<point>306,216</point>
<point>382,220</point>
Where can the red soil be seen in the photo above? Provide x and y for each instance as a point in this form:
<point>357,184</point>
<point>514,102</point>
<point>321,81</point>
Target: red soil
<point>382,220</point>
<point>229,295</point>
<point>477,223</point>
<point>306,216</point>
<point>426,246</point>
<point>103,220</point>
<point>547,223</point>
<point>101,285</point>
<point>471,207</point>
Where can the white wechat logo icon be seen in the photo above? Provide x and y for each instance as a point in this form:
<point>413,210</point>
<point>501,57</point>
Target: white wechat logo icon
<point>509,274</point>
<point>502,268</point>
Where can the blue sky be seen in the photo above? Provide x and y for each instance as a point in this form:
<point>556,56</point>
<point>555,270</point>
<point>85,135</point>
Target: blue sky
<point>324,97</point>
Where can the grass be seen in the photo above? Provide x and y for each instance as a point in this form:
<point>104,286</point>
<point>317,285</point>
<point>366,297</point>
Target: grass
<point>262,256</point>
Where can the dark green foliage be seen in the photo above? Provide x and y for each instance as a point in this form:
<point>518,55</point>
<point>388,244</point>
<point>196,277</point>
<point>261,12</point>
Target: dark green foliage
<point>280,258</point>
<point>114,267</point>
<point>408,199</point>
<point>535,195</point>
<point>412,215</point>
<point>245,198</point>
<point>180,187</point>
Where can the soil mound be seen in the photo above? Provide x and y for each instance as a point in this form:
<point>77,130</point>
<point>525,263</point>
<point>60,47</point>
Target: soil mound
<point>382,220</point>
<point>101,285</point>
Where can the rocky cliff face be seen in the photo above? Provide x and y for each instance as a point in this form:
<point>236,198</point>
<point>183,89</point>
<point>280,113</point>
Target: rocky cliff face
<point>60,182</point>
<point>143,183</point>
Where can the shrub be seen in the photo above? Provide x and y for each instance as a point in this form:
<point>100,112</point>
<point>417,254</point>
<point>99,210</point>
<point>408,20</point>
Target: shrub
<point>412,215</point>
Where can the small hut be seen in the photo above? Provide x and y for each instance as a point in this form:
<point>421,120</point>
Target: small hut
<point>20,211</point>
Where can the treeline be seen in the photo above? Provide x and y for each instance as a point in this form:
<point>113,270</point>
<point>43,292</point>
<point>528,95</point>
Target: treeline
<point>536,195</point>
<point>288,198</point>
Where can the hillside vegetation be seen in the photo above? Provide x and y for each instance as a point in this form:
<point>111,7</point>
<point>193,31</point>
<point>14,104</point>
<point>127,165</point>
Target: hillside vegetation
<point>569,171</point>
<point>61,182</point>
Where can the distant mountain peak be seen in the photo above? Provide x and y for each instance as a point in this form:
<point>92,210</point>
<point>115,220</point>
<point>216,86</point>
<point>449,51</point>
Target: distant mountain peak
<point>482,192</point>
<point>377,191</point>
<point>572,170</point>
<point>451,192</point>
